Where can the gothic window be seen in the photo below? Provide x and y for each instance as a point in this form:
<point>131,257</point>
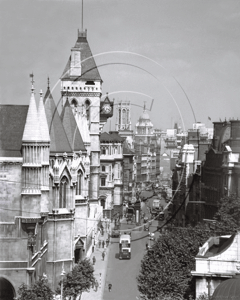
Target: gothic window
<point>74,103</point>
<point>79,183</point>
<point>87,106</point>
<point>63,192</point>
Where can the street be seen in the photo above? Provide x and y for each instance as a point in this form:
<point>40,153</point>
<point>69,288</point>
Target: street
<point>122,273</point>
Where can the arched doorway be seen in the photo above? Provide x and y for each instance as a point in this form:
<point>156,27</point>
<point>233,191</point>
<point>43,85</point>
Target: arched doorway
<point>7,291</point>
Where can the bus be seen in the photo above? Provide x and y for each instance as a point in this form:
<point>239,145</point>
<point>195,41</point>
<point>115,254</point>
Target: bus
<point>125,246</point>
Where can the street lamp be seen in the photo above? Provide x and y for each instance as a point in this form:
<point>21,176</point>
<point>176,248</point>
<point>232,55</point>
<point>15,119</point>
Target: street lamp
<point>62,275</point>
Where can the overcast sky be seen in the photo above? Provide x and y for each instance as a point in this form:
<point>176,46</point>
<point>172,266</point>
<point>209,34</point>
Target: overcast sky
<point>194,44</point>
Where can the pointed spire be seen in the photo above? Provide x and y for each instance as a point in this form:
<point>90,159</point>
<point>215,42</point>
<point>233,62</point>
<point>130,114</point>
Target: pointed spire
<point>43,120</point>
<point>32,130</point>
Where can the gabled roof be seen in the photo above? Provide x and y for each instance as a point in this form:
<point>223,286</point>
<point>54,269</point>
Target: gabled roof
<point>88,65</point>
<point>71,128</point>
<point>59,141</point>
<point>112,137</point>
<point>12,122</point>
<point>32,131</point>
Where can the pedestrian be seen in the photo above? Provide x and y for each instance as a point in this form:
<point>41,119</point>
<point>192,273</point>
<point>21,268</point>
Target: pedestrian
<point>147,247</point>
<point>99,244</point>
<point>103,243</point>
<point>93,284</point>
<point>103,255</point>
<point>96,285</point>
<point>109,287</point>
<point>107,242</point>
<point>94,260</point>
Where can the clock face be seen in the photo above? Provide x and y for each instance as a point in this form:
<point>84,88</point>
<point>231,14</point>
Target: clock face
<point>107,108</point>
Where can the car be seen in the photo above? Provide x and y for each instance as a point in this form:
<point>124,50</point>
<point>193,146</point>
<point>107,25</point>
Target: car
<point>115,233</point>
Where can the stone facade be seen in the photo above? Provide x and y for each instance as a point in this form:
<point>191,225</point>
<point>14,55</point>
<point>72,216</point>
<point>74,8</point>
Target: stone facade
<point>111,184</point>
<point>49,171</point>
<point>217,260</point>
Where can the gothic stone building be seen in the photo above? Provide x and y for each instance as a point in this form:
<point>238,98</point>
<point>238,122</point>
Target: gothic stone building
<point>49,172</point>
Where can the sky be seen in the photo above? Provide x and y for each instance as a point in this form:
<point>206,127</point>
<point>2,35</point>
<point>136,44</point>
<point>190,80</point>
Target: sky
<point>180,56</point>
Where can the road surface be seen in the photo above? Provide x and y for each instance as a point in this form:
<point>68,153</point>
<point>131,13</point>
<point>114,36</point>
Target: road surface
<point>122,273</point>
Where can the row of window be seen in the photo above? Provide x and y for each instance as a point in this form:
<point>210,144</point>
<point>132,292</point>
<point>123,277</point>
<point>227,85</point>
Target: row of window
<point>76,88</point>
<point>111,150</point>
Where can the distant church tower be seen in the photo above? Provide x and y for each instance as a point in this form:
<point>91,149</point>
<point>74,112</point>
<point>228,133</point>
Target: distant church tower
<point>123,121</point>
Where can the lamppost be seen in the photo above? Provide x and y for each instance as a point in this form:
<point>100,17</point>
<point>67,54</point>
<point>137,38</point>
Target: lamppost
<point>62,275</point>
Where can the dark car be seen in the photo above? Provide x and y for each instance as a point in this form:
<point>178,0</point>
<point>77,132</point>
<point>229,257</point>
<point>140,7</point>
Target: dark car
<point>115,233</point>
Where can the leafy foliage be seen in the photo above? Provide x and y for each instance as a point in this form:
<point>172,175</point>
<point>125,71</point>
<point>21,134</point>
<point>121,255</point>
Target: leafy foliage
<point>39,291</point>
<point>79,280</point>
<point>166,268</point>
<point>26,293</point>
<point>228,215</point>
<point>203,296</point>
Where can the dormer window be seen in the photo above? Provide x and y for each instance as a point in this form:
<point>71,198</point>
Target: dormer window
<point>90,82</point>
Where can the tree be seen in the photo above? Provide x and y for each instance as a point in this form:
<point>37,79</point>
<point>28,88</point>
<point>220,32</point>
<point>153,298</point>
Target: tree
<point>228,215</point>
<point>26,293</point>
<point>40,290</point>
<point>166,268</point>
<point>79,280</point>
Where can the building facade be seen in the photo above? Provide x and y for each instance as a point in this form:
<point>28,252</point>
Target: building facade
<point>111,168</point>
<point>147,149</point>
<point>49,171</point>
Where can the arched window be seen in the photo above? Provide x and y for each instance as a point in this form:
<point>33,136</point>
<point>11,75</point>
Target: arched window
<point>79,183</point>
<point>128,117</point>
<point>124,117</point>
<point>63,193</point>
<point>87,106</point>
<point>74,103</point>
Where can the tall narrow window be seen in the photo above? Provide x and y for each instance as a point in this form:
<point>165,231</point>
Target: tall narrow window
<point>87,106</point>
<point>110,173</point>
<point>120,121</point>
<point>63,193</point>
<point>124,116</point>
<point>79,183</point>
<point>103,181</point>
<point>103,168</point>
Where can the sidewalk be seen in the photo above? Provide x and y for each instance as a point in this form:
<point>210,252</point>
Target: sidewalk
<point>100,270</point>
